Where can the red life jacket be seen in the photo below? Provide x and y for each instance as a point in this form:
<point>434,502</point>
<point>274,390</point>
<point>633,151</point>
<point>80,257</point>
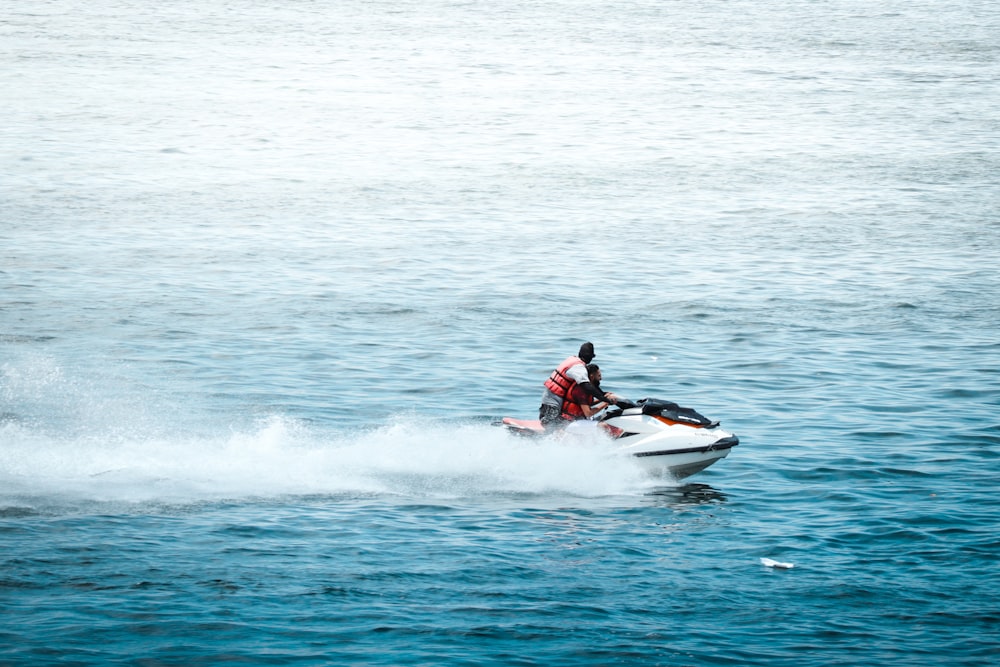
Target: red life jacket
<point>573,404</point>
<point>562,386</point>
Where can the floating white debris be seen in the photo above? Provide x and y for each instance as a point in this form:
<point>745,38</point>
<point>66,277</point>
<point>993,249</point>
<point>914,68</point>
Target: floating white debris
<point>767,562</point>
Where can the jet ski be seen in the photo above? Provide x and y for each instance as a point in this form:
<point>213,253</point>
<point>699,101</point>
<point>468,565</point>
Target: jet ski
<point>666,439</point>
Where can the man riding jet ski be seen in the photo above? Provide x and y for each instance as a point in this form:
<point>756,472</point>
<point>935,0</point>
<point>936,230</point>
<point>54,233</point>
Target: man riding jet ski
<point>560,402</point>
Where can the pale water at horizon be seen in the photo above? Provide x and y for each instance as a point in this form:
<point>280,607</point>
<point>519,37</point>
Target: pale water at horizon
<point>270,270</point>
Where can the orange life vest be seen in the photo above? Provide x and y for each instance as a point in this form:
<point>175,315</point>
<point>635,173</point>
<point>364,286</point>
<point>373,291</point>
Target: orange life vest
<point>562,386</point>
<point>573,405</point>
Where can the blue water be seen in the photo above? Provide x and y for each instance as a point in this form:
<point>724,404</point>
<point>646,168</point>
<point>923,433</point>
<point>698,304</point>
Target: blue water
<point>268,272</point>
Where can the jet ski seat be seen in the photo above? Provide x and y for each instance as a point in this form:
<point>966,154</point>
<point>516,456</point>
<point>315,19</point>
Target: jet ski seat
<point>656,407</point>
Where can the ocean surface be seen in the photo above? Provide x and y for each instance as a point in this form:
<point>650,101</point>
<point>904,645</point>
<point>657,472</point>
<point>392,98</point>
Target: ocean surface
<point>269,272</point>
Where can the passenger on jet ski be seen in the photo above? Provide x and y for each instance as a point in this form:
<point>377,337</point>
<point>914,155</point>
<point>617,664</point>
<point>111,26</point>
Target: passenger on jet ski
<point>588,405</point>
<point>557,407</point>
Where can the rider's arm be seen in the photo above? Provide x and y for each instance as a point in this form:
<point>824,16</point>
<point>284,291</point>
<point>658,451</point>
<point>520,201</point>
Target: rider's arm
<point>597,393</point>
<point>591,410</point>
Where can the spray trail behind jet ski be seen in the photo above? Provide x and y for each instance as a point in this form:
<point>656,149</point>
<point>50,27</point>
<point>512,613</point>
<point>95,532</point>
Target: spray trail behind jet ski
<point>282,457</point>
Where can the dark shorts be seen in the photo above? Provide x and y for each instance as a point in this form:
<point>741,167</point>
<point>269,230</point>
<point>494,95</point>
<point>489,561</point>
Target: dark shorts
<point>551,417</point>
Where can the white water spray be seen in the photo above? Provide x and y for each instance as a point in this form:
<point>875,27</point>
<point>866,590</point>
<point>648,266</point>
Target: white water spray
<point>283,457</point>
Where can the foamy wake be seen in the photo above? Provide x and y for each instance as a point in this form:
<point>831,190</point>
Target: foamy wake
<point>283,457</point>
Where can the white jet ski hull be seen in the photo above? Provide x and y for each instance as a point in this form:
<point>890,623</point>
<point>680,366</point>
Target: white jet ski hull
<point>670,450</point>
<point>678,464</point>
